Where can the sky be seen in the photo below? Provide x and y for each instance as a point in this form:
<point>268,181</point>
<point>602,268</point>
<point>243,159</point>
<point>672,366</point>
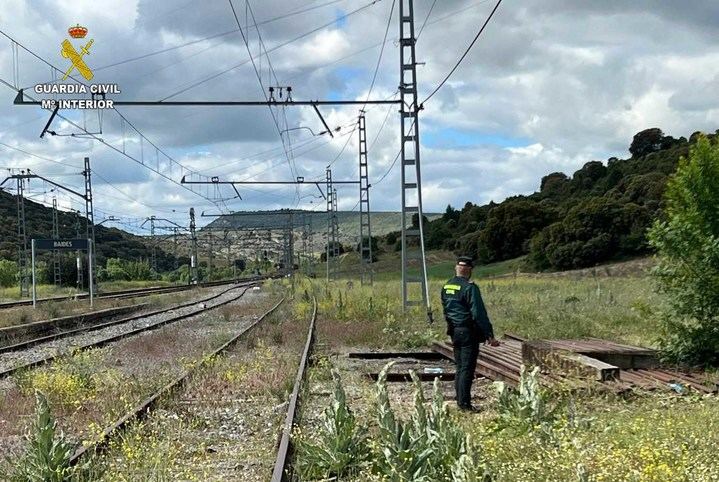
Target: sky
<point>549,86</point>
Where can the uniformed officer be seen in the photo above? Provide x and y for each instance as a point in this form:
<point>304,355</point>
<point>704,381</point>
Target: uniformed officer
<point>468,325</point>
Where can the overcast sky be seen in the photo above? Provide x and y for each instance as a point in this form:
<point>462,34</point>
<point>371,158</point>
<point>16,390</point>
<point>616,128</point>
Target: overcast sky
<point>551,85</point>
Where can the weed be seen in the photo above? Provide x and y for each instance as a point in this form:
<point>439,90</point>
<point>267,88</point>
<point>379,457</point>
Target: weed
<point>47,458</point>
<point>339,448</point>
<point>527,407</point>
<point>428,447</point>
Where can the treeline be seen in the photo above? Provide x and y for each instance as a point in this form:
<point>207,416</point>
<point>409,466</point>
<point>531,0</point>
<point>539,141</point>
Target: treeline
<point>600,213</point>
<point>111,242</point>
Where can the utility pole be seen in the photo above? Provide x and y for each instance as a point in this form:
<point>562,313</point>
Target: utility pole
<point>306,266</point>
<point>365,244</point>
<point>78,254</point>
<point>153,242</point>
<point>328,174</point>
<point>335,236</point>
<point>22,239</point>
<point>310,262</point>
<point>412,236</point>
<point>194,262</point>
<point>57,276</point>
<point>90,220</point>
<point>174,247</point>
<point>291,244</point>
<point>211,256</point>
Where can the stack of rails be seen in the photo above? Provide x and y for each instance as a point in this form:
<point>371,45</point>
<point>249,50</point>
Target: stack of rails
<point>637,366</point>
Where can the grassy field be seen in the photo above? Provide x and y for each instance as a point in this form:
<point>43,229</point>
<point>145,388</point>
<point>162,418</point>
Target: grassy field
<point>642,436</point>
<point>45,291</point>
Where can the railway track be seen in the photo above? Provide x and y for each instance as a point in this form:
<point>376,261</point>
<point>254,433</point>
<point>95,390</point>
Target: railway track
<point>141,410</point>
<point>284,452</point>
<point>129,293</point>
<point>48,355</point>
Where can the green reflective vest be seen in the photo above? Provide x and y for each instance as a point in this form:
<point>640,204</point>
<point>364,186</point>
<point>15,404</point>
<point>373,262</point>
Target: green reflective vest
<point>463,307</point>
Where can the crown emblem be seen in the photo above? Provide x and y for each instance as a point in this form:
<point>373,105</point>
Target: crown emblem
<point>77,31</point>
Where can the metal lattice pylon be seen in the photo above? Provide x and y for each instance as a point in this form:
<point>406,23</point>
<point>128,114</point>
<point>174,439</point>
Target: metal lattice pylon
<point>90,220</point>
<point>57,275</point>
<point>194,261</point>
<point>414,267</point>
<point>78,254</point>
<point>22,240</point>
<point>330,225</point>
<point>365,244</point>
<point>335,236</point>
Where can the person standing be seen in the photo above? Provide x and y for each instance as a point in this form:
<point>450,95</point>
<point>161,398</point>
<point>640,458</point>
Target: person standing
<point>468,325</point>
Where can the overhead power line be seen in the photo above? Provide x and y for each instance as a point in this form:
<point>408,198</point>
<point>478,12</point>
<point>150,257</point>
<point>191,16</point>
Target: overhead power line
<point>381,51</point>
<point>456,66</point>
<point>94,136</point>
<point>267,51</point>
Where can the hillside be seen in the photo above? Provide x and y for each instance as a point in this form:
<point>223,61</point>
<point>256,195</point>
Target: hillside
<point>600,213</point>
<point>111,242</point>
<point>348,221</point>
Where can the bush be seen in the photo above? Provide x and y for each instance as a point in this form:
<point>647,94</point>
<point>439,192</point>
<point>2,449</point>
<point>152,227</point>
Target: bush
<point>527,407</point>
<point>48,455</point>
<point>429,446</point>
<point>339,448</point>
<point>687,244</point>
<point>8,272</point>
<point>122,270</point>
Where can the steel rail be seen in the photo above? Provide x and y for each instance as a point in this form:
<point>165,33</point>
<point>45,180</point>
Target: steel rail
<point>13,332</point>
<point>284,451</point>
<point>120,336</point>
<point>120,294</point>
<point>143,408</point>
<point>56,336</point>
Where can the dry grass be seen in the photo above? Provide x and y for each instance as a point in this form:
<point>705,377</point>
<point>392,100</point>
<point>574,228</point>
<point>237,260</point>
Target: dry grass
<point>225,422</point>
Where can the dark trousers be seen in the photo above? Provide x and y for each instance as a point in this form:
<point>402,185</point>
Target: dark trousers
<point>466,350</point>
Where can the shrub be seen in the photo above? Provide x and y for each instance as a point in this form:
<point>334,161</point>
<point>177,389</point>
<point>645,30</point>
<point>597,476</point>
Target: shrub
<point>8,273</point>
<point>527,407</point>
<point>430,446</point>
<point>48,454</point>
<point>339,449</point>
<point>687,244</point>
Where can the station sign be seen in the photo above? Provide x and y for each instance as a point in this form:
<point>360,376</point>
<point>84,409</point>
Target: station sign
<point>61,244</point>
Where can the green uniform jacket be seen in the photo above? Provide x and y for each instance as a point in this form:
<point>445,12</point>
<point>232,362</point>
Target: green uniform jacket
<point>463,307</point>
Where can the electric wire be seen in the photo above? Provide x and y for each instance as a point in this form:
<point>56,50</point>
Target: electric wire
<point>273,49</point>
<point>95,136</point>
<point>466,52</point>
<point>381,52</point>
<point>262,87</point>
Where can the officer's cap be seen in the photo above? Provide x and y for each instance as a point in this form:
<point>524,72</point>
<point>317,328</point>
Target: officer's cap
<point>465,261</point>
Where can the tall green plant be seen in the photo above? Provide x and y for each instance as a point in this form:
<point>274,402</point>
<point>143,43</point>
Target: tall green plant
<point>687,244</point>
<point>48,454</point>
<point>528,406</point>
<point>430,446</point>
<point>340,446</point>
<point>8,272</point>
<point>403,447</point>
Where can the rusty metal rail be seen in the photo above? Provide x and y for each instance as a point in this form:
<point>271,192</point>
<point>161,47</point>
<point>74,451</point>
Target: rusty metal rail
<point>56,336</point>
<point>504,362</point>
<point>143,408</point>
<point>13,332</point>
<point>129,293</point>
<point>135,331</point>
<point>284,452</point>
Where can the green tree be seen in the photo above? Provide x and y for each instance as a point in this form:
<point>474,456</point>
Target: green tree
<point>8,272</point>
<point>687,244</point>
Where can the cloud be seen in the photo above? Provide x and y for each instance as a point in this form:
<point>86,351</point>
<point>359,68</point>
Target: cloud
<point>549,86</point>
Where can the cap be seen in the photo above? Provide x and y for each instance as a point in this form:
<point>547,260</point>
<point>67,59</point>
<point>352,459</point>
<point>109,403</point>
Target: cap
<point>465,261</point>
